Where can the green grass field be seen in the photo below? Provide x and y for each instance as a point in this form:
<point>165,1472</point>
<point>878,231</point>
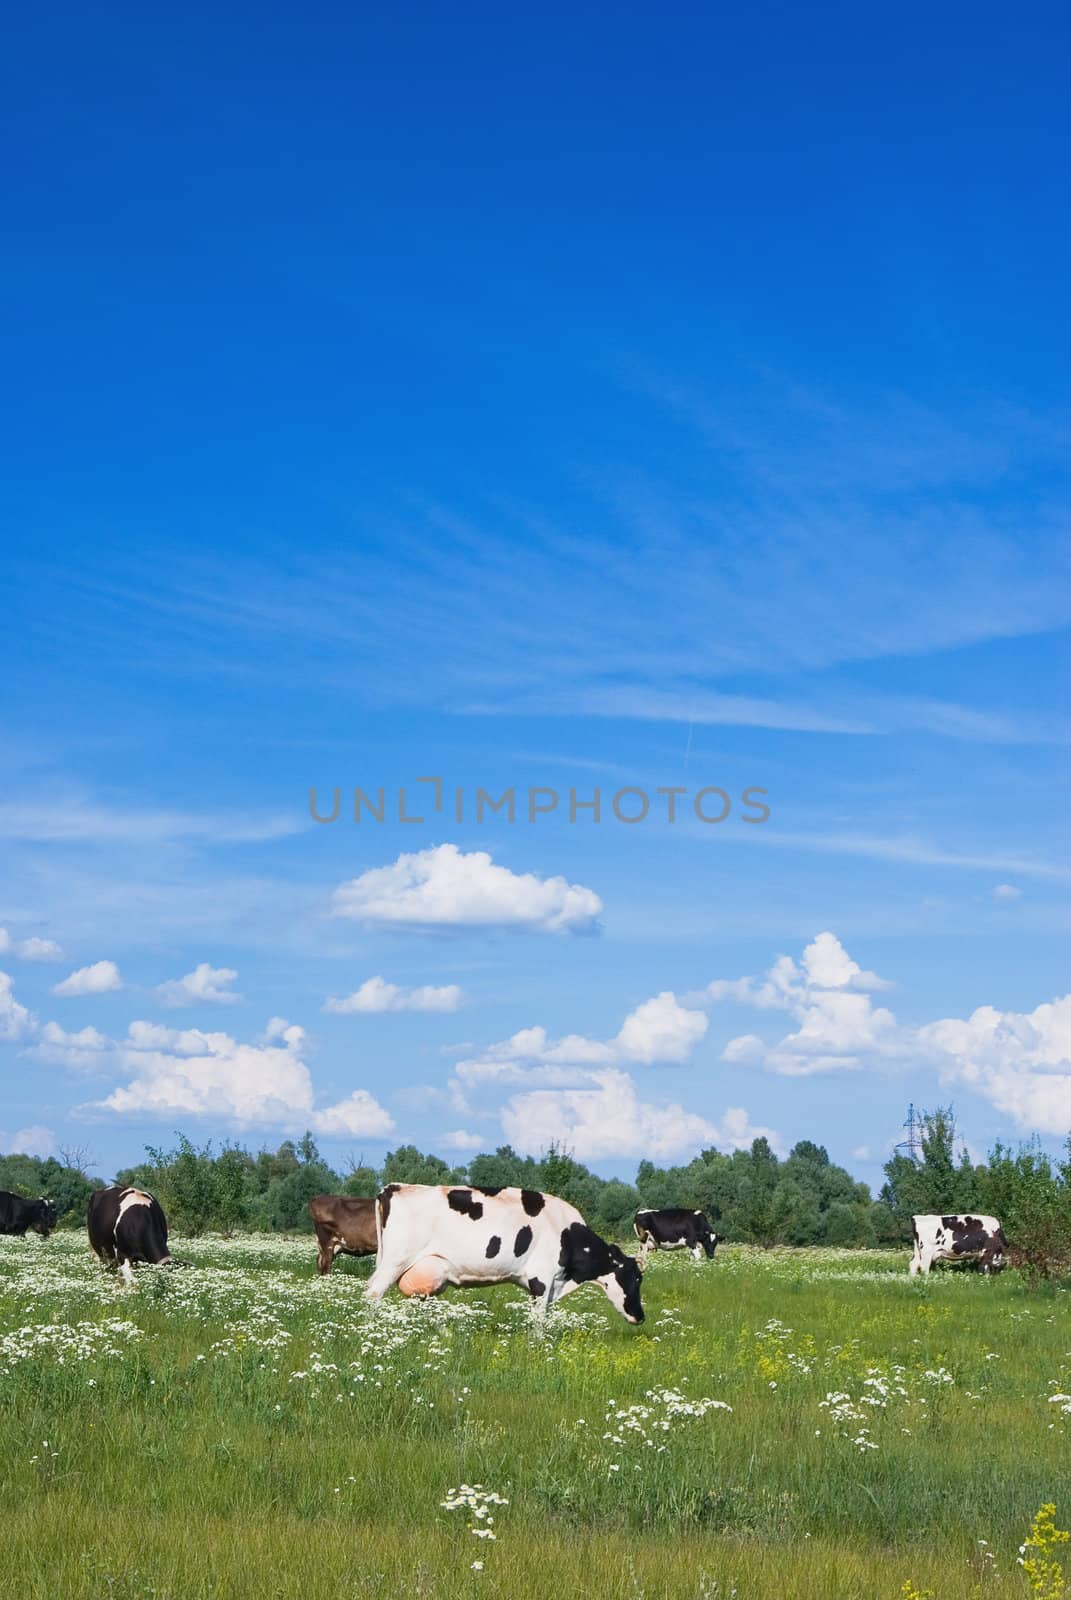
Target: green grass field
<point>804,1423</point>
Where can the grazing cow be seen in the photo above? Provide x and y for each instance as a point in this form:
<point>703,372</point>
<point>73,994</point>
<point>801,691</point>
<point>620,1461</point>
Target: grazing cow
<point>958,1238</point>
<point>344,1226</point>
<point>17,1214</point>
<point>127,1225</point>
<point>675,1229</point>
<point>429,1237</point>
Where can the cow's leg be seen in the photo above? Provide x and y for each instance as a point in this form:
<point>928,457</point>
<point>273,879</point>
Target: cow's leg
<point>555,1286</point>
<point>697,1252</point>
<point>126,1271</point>
<point>923,1261</point>
<point>388,1271</point>
<point>426,1276</point>
<point>324,1251</point>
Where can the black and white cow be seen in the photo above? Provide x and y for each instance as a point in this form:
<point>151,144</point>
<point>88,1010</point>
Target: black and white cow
<point>958,1238</point>
<point>675,1229</point>
<point>428,1237</point>
<point>17,1215</point>
<point>127,1225</point>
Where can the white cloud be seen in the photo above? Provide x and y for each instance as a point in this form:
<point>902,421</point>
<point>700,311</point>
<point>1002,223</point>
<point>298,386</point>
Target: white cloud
<point>375,995</point>
<point>861,1153</point>
<point>608,1119</point>
<point>825,964</point>
<point>838,1025</point>
<point>1007,891</point>
<point>5,942</point>
<point>1019,1061</point>
<point>205,985</point>
<point>188,1072</point>
<point>444,887</point>
<point>659,1029</point>
<point>84,1051</point>
<point>358,1116</point>
<point>461,1139</point>
<point>101,978</point>
<point>829,966</point>
<point>33,1141</point>
<point>15,1020</point>
<point>35,949</point>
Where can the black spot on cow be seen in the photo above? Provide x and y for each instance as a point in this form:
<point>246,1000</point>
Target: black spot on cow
<point>488,1189</point>
<point>523,1241</point>
<point>494,1245</point>
<point>532,1201</point>
<point>584,1256</point>
<point>461,1200</point>
<point>536,1287</point>
<point>385,1196</point>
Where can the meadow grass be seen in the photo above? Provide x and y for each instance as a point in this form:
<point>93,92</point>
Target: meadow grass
<point>806,1422</point>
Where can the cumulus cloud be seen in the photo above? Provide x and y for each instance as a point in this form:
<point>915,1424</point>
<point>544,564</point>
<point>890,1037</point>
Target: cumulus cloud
<point>205,985</point>
<point>824,964</point>
<point>461,1139</point>
<point>31,949</point>
<point>608,1119</point>
<point>659,1030</point>
<point>444,887</point>
<point>375,995</point>
<point>33,1141</point>
<point>15,1020</point>
<point>1007,891</point>
<point>101,978</point>
<point>266,1083</point>
<point>85,1051</point>
<point>358,1116</point>
<point>828,994</point>
<point>1020,1061</point>
<point>35,949</point>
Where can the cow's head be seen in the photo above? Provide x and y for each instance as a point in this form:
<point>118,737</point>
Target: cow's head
<point>46,1217</point>
<point>586,1258</point>
<point>706,1235</point>
<point>622,1285</point>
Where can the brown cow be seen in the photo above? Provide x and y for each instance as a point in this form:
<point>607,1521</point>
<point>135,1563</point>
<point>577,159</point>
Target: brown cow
<point>344,1226</point>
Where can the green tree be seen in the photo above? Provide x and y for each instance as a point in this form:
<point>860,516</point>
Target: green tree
<point>408,1165</point>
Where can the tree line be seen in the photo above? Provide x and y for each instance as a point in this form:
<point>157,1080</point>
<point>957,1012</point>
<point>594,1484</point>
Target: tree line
<point>750,1195</point>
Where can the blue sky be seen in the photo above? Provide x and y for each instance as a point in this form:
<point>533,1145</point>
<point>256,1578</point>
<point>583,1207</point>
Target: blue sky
<point>535,400</point>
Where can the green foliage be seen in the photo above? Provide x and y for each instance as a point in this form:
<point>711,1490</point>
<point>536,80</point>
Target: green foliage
<point>63,1182</point>
<point>749,1195</point>
<point>1032,1197</point>
<point>407,1165</point>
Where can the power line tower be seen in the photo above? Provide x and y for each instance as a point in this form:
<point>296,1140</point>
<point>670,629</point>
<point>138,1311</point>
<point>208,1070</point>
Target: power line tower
<point>915,1127</point>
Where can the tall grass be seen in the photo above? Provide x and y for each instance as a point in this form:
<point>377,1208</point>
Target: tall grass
<point>805,1423</point>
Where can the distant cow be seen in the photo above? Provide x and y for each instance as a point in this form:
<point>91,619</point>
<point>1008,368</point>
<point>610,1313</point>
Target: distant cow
<point>958,1238</point>
<point>675,1229</point>
<point>127,1225</point>
<point>344,1226</point>
<point>17,1214</point>
<point>472,1237</point>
